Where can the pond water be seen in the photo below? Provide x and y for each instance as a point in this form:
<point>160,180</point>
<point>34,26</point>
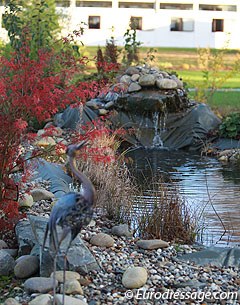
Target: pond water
<point>209,187</point>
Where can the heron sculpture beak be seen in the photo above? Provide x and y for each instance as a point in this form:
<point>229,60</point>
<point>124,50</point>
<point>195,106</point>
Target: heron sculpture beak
<point>81,144</point>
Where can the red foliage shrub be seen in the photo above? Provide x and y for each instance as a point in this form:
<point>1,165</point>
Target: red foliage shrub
<point>31,89</point>
<point>34,90</point>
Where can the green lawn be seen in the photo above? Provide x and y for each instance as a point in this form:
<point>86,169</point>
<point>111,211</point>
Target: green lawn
<point>224,102</point>
<point>185,62</point>
<point>192,78</point>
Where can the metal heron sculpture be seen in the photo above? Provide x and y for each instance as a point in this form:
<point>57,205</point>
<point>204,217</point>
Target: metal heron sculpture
<point>71,212</point>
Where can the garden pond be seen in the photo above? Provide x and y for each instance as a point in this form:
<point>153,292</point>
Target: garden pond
<point>210,188</point>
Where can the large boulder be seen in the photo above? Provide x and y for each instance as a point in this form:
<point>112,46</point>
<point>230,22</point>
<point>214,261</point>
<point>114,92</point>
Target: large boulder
<point>30,235</point>
<point>186,129</point>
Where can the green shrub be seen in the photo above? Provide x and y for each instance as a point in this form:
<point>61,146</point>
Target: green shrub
<point>230,127</point>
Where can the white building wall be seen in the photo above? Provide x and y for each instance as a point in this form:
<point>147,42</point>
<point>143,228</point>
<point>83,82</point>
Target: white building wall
<point>155,24</point>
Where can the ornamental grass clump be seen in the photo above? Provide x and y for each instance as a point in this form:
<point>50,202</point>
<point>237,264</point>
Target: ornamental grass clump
<point>165,215</point>
<point>107,170</point>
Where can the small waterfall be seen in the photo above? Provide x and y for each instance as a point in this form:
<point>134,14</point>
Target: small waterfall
<point>159,123</point>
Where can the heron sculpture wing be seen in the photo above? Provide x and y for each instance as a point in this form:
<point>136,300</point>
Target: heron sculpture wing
<point>71,212</point>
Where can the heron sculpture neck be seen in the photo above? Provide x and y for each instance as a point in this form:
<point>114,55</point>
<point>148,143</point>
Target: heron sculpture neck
<point>88,190</point>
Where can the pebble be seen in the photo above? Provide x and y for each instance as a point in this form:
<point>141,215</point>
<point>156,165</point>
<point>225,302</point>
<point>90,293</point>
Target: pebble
<point>147,80</point>
<point>41,194</point>
<point>102,240</point>
<point>166,83</point>
<point>132,71</point>
<point>134,87</point>
<point>69,300</point>
<point>122,230</point>
<point>69,275</point>
<point>134,277</point>
<point>125,79</point>
<point>43,299</point>
<point>152,244</point>
<point>135,77</point>
<point>26,201</point>
<point>73,287</point>
<point>11,301</point>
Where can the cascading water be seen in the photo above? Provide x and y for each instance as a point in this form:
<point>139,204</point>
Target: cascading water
<point>159,122</point>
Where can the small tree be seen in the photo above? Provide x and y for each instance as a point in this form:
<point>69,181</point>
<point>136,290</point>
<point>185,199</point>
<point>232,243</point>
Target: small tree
<point>13,23</point>
<point>39,17</point>
<point>111,51</point>
<point>131,45</point>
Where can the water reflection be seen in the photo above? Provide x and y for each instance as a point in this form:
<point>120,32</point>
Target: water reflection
<point>206,184</point>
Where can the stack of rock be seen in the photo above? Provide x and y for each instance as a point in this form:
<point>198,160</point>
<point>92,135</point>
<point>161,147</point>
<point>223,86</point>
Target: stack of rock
<point>133,80</point>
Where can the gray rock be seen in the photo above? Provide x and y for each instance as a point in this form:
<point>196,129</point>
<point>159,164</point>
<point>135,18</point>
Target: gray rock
<point>69,300</point>
<point>11,301</point>
<point>26,201</point>
<point>134,277</point>
<point>178,81</point>
<point>69,275</point>
<point>93,104</point>
<point>12,252</point>
<point>79,258</point>
<point>147,80</point>
<point>102,111</point>
<point>166,83</point>
<point>216,256</point>
<point>25,237</point>
<point>73,287</point>
<point>26,267</point>
<point>41,194</point>
<point>102,240</point>
<point>43,299</point>
<point>6,263</point>
<point>109,105</point>
<point>3,244</point>
<point>164,74</point>
<point>152,244</point>
<point>135,77</point>
<point>184,129</point>
<point>134,87</point>
<point>131,71</point>
<point>121,230</point>
<point>125,79</point>
<point>192,284</point>
<point>39,284</point>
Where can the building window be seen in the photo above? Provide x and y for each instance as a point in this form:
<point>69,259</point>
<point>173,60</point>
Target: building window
<point>94,22</point>
<point>210,7</point>
<point>182,25</point>
<point>136,5</point>
<point>217,25</point>
<point>176,6</point>
<point>94,3</point>
<point>63,3</point>
<point>136,23</point>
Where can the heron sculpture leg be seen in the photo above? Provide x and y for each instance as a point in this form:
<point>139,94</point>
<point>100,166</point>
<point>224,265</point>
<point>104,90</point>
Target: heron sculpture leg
<point>71,212</point>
